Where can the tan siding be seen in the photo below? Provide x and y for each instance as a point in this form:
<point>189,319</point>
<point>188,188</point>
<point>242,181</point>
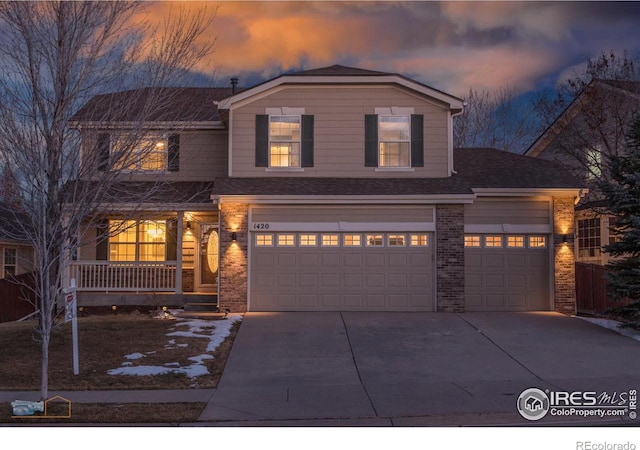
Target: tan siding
<point>203,157</point>
<point>339,130</point>
<point>336,213</point>
<point>87,248</point>
<point>511,211</point>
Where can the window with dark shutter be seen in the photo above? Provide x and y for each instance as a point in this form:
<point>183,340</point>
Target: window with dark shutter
<point>102,147</point>
<point>371,140</point>
<point>172,240</point>
<point>173,152</point>
<point>417,140</point>
<point>307,141</point>
<point>102,240</point>
<point>262,140</point>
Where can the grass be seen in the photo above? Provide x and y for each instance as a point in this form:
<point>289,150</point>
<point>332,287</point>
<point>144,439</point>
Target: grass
<point>103,342</point>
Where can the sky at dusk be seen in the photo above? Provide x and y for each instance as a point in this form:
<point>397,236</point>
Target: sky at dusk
<point>452,46</point>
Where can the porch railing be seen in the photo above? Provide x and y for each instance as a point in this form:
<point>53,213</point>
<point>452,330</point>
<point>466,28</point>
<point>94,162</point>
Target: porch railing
<point>106,276</point>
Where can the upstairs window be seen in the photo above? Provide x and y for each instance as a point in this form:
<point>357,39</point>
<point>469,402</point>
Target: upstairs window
<point>394,136</point>
<point>284,141</point>
<point>394,139</point>
<point>150,153</point>
<point>147,154</point>
<point>594,162</point>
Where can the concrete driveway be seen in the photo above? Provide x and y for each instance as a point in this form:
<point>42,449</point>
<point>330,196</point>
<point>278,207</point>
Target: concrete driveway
<point>357,368</point>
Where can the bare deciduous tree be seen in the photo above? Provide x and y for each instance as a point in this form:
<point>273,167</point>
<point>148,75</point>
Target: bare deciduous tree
<point>55,56</point>
<point>588,115</point>
<point>498,120</point>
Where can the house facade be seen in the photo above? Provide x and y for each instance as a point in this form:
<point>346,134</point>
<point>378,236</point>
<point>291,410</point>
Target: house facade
<point>593,127</point>
<point>16,253</point>
<point>327,190</point>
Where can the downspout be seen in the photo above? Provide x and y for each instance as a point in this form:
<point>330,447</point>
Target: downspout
<point>451,169</point>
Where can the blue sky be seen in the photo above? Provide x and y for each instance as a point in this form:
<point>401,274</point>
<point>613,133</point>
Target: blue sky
<point>452,46</point>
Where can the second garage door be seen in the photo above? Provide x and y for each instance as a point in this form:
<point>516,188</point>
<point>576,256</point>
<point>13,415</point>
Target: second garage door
<point>506,272</point>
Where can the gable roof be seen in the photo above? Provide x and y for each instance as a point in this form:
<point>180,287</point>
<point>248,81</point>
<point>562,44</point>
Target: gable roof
<point>631,88</point>
<point>338,74</point>
<point>168,104</point>
<point>339,70</point>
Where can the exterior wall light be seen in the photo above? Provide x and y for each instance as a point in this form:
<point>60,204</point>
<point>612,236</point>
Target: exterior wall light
<point>565,238</point>
<point>188,225</point>
<point>234,236</point>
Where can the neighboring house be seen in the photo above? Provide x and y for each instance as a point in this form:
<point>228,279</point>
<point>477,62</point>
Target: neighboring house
<point>332,189</point>
<point>16,253</point>
<point>591,128</point>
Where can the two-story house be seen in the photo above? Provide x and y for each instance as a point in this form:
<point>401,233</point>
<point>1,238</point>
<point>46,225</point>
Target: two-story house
<point>592,127</point>
<point>331,189</point>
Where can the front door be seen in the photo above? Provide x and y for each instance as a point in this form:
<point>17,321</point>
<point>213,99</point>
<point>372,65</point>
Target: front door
<point>209,258</point>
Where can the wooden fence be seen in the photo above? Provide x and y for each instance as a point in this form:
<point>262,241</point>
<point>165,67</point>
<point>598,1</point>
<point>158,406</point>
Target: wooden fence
<point>16,299</point>
<point>591,289</point>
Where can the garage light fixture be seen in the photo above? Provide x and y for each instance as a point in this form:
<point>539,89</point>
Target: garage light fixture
<point>565,238</point>
<point>234,236</point>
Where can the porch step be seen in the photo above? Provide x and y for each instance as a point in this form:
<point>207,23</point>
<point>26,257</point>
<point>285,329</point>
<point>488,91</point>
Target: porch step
<point>201,306</point>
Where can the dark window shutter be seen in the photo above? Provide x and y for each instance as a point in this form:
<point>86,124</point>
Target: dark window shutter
<point>307,141</point>
<point>417,140</point>
<point>102,147</point>
<point>102,242</point>
<point>262,140</point>
<point>172,240</point>
<point>173,153</point>
<point>371,140</point>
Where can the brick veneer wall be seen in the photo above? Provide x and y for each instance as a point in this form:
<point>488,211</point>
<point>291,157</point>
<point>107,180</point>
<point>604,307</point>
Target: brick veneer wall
<point>450,257</point>
<point>564,285</point>
<point>232,292</point>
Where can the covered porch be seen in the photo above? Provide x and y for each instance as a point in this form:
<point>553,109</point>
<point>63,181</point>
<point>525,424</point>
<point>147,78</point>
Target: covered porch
<point>156,257</point>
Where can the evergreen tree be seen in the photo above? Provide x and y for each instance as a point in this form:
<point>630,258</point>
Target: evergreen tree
<point>622,192</point>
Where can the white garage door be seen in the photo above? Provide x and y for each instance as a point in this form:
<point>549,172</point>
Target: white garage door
<point>341,271</point>
<point>341,259</point>
<point>506,272</point>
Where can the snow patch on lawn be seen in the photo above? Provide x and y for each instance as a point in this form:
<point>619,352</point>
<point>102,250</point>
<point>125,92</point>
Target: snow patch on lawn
<point>613,325</point>
<point>216,331</point>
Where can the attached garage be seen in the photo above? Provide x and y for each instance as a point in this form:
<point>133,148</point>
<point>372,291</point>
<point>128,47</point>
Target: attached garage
<point>506,272</point>
<point>341,259</point>
<point>507,255</point>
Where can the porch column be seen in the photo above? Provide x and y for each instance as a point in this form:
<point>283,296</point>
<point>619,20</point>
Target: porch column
<point>179,232</point>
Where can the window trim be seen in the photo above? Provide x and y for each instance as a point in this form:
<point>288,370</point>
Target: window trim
<point>418,236</point>
<point>5,264</point>
<point>286,236</point>
<point>264,235</point>
<point>137,244</point>
<point>374,235</point>
<point>524,241</point>
<point>281,141</point>
<point>485,241</point>
<point>305,245</point>
<point>544,238</point>
<point>351,245</point>
<point>137,150</point>
<point>322,244</point>
<point>471,237</point>
<point>399,142</point>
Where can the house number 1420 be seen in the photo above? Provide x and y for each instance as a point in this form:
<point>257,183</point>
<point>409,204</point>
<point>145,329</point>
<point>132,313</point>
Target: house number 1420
<point>260,226</point>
